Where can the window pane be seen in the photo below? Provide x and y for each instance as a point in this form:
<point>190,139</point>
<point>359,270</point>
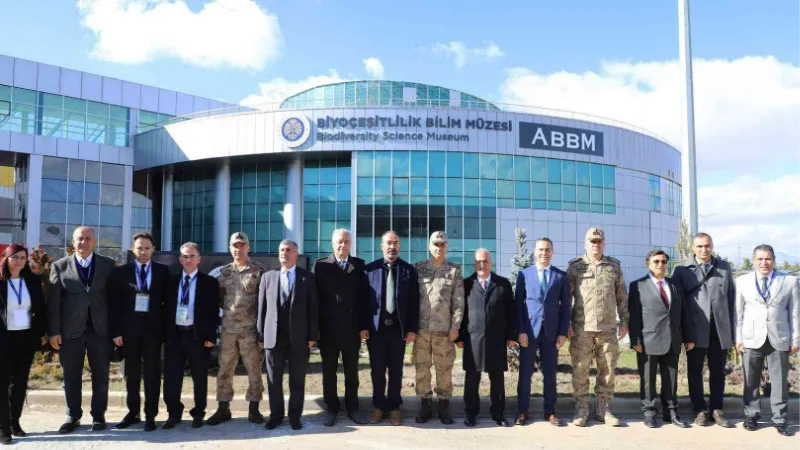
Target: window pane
<point>436,164</point>
<point>454,188</point>
<point>522,168</point>
<point>554,170</point>
<point>539,191</point>
<point>553,192</point>
<point>382,186</point>
<point>113,174</point>
<point>582,172</point>
<point>609,197</point>
<point>99,110</point>
<point>383,163</point>
<point>454,163</point>
<point>488,166</point>
<point>597,175</point>
<point>505,189</point>
<point>49,122</point>
<point>568,172</point>
<point>471,165</point>
<point>400,166</point>
<point>538,169</point>
<point>55,168</point>
<point>54,190</point>
<point>488,189</point>
<point>436,186</point>
<point>609,180</point>
<point>419,164</point>
<point>400,186</point>
<point>568,193</point>
<point>522,190</point>
<point>472,187</point>
<point>419,187</point>
<point>364,162</point>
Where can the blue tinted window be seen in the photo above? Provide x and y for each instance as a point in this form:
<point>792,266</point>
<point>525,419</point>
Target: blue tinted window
<point>454,164</point>
<point>488,166</point>
<point>583,173</point>
<point>419,187</point>
<point>400,186</point>
<point>419,164</point>
<point>553,192</point>
<point>539,191</point>
<point>400,166</point>
<point>538,169</point>
<point>471,165</point>
<point>554,170</point>
<point>522,191</point>
<point>522,168</point>
<point>505,167</point>
<point>436,186</point>
<point>436,164</point>
<point>597,175</point>
<point>609,179</point>
<point>454,187</point>
<point>568,175</point>
<point>365,161</point>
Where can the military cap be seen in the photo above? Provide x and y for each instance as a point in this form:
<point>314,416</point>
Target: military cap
<point>596,233</point>
<point>239,236</point>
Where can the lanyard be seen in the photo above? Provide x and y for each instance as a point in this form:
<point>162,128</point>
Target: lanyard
<point>184,296</point>
<point>765,295</point>
<point>142,284</point>
<point>85,273</point>
<point>18,293</point>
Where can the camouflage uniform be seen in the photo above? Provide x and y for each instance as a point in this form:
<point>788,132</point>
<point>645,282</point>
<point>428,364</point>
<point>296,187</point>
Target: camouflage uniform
<point>239,310</point>
<point>441,308</point>
<point>598,292</point>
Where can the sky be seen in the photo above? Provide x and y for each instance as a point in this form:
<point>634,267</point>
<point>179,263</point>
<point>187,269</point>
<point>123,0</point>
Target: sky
<point>614,58</point>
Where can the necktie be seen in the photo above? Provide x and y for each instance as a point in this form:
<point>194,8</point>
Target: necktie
<point>285,287</point>
<point>664,296</point>
<point>389,290</point>
<point>344,265</point>
<point>764,289</point>
<point>483,284</point>
<point>143,279</point>
<point>185,293</point>
<point>543,284</point>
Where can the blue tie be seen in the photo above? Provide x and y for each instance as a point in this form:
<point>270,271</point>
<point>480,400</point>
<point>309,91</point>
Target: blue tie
<point>543,283</point>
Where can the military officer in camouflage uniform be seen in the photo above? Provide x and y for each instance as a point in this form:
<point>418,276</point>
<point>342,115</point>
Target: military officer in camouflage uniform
<point>441,308</point>
<point>239,282</point>
<point>598,296</point>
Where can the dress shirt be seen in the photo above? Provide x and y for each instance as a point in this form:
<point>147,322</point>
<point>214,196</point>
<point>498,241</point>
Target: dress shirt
<point>485,282</point>
<point>192,289</point>
<point>84,262</point>
<point>13,305</point>
<point>149,268</point>
<point>665,285</point>
<point>291,273</point>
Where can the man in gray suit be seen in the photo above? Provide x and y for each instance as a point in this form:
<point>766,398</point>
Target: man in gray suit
<point>77,310</point>
<point>767,327</point>
<point>708,289</point>
<point>288,326</point>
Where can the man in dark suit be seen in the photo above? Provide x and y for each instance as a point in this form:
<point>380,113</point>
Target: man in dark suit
<point>77,310</point>
<point>288,326</point>
<point>543,312</point>
<point>393,306</point>
<point>341,290</point>
<point>489,325</point>
<point>707,285</point>
<point>659,323</point>
<point>191,318</point>
<point>137,310</point>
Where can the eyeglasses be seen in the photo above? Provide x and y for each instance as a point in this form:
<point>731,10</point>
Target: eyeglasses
<point>658,261</point>
<point>18,258</point>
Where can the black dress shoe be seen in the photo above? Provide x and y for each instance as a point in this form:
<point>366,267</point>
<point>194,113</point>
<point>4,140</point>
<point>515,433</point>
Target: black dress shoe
<point>171,423</point>
<point>98,425</point>
<point>149,425</point>
<point>330,419</point>
<point>750,423</point>
<point>501,422</point>
<point>357,418</point>
<point>197,422</point>
<point>296,424</point>
<point>273,423</point>
<point>783,429</point>
<point>650,420</point>
<point>469,421</point>
<point>69,426</point>
<point>5,436</point>
<point>16,429</point>
<point>522,419</point>
<point>127,422</point>
<point>675,419</point>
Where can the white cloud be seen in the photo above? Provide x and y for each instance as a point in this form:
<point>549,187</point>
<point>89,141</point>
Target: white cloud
<point>374,67</point>
<point>746,130</point>
<point>278,89</point>
<point>234,33</point>
<point>463,55</point>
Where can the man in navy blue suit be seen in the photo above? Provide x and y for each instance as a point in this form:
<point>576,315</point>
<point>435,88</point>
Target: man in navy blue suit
<point>543,311</point>
<point>392,321</point>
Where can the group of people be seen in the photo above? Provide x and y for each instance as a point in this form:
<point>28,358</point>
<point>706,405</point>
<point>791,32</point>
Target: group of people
<point>279,315</point>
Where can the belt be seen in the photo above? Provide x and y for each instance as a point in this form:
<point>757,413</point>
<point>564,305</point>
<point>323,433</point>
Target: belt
<point>185,328</point>
<point>388,322</point>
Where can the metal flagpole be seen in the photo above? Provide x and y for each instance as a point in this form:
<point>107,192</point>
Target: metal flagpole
<point>688,157</point>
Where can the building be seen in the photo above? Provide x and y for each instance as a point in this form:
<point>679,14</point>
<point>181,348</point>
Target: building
<point>366,155</point>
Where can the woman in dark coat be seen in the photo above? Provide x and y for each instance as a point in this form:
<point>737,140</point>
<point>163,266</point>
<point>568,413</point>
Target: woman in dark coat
<point>23,325</point>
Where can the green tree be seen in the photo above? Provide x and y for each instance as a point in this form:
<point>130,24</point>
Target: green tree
<point>522,259</point>
<point>683,248</point>
<point>747,264</point>
<point>786,265</point>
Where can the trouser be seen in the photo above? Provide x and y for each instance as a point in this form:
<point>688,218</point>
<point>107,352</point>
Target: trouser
<point>143,356</point>
<point>330,350</point>
<point>185,347</point>
<point>601,346</point>
<point>716,373</point>
<point>386,352</point>
<point>98,351</point>
<point>778,366</point>
<point>231,347</point>
<point>297,358</point>
<point>497,393</point>
<point>649,366</point>
<point>434,348</point>
<point>14,369</point>
<point>527,360</point>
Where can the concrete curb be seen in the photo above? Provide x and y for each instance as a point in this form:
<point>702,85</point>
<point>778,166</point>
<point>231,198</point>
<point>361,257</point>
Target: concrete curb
<point>625,406</point>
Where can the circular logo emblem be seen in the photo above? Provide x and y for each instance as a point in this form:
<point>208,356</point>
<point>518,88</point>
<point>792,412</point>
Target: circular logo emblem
<point>295,131</point>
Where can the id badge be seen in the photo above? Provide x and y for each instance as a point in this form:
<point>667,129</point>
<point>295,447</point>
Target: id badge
<point>21,319</point>
<point>182,315</point>
<point>142,303</point>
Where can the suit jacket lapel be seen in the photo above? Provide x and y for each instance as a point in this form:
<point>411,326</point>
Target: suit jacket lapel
<point>73,266</point>
<point>490,287</point>
<point>651,289</point>
<point>775,289</point>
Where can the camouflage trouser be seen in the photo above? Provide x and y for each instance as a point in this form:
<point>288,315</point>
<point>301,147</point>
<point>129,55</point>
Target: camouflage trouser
<point>603,347</point>
<point>434,348</point>
<point>233,345</point>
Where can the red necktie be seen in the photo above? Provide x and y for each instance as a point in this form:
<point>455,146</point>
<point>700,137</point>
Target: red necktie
<point>664,296</point>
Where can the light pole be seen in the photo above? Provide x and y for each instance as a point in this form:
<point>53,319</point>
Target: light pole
<point>688,159</point>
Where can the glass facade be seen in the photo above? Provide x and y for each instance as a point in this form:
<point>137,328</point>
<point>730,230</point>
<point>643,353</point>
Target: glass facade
<point>674,201</point>
<point>32,112</point>
<point>655,193</point>
<point>258,195</point>
<point>326,203</point>
<point>193,208</point>
<point>77,192</point>
<point>151,120</point>
<point>381,93</point>
<point>416,193</point>
<point>142,203</point>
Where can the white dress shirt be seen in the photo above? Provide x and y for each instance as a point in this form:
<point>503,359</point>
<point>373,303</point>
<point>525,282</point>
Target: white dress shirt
<point>192,288</point>
<point>291,275</point>
<point>148,267</point>
<point>665,285</point>
<point>14,305</point>
<point>84,262</point>
<point>485,282</point>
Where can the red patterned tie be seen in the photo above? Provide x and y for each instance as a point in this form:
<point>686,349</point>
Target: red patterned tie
<point>664,296</point>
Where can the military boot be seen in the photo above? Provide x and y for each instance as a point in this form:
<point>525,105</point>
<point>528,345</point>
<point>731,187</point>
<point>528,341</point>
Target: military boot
<point>254,415</point>
<point>444,412</point>
<point>426,412</point>
<point>222,414</point>
<point>603,412</point>
<point>581,413</point>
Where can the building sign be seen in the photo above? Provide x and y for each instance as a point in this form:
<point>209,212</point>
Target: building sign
<point>295,131</point>
<point>561,139</point>
<point>343,129</point>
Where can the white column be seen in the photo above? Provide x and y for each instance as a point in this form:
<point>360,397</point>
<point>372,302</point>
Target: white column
<point>34,206</point>
<point>166,212</point>
<point>293,209</point>
<point>353,202</point>
<point>222,207</point>
<point>688,158</point>
<point>127,212</point>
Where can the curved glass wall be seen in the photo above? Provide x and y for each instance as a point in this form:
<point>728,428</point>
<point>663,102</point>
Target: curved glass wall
<point>326,203</point>
<point>193,208</point>
<point>258,195</point>
<point>418,192</point>
<point>383,93</point>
